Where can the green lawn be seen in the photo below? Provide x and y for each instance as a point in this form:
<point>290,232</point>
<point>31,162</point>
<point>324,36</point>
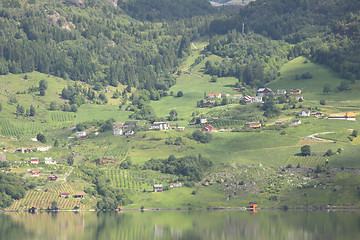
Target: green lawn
<point>313,88</point>
<point>89,112</point>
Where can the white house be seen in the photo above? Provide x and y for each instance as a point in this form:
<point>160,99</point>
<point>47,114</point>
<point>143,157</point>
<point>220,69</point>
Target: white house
<point>160,125</point>
<point>203,120</point>
<point>280,92</point>
<point>43,148</point>
<point>49,160</point>
<point>304,114</point>
<point>80,134</point>
<point>295,122</point>
<point>118,132</point>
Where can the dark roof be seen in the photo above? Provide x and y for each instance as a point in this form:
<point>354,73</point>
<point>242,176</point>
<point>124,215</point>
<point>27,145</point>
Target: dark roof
<point>253,203</point>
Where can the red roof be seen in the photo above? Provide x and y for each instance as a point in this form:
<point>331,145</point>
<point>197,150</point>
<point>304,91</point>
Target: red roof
<point>65,193</point>
<point>35,173</point>
<point>80,194</point>
<point>208,128</point>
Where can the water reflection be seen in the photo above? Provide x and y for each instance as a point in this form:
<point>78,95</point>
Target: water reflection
<point>182,225</point>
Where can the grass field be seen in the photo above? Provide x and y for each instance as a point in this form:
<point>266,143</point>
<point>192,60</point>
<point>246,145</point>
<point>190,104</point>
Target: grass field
<point>89,112</point>
<point>313,88</point>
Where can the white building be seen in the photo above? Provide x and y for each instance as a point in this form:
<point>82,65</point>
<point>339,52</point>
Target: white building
<point>49,160</point>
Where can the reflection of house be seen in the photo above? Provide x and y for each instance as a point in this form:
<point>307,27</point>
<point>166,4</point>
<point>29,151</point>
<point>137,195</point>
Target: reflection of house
<point>295,122</point>
<point>208,128</point>
<point>304,113</point>
<point>253,125</point>
<point>49,160</point>
<point>65,195</point>
<point>264,91</point>
<point>34,160</point>
<point>80,134</point>
<point>295,91</point>
<point>158,187</point>
<point>160,125</point>
<point>281,92</point>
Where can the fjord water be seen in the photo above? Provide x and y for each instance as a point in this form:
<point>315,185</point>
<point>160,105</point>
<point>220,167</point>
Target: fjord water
<point>182,225</point>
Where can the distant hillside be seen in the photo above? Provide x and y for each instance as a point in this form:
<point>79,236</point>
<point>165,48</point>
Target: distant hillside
<point>326,31</point>
<point>165,9</point>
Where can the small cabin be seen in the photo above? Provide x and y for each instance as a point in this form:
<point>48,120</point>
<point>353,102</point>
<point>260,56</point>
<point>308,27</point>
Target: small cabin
<point>32,210</point>
<point>208,128</point>
<point>35,173</point>
<point>65,195</point>
<point>52,177</point>
<point>158,188</point>
<point>80,195</point>
<point>253,204</point>
<point>253,125</point>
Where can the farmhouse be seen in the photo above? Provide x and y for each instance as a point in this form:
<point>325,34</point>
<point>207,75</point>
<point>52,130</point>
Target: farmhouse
<point>257,99</point>
<point>43,148</point>
<point>24,150</point>
<point>160,125</point>
<point>49,160</point>
<point>65,195</point>
<point>118,132</point>
<point>130,124</point>
<point>348,116</point>
<point>264,91</point>
<point>248,99</point>
<point>208,128</point>
<point>129,133</point>
<point>203,120</point>
<point>295,91</point>
<point>236,89</point>
<point>80,195</point>
<point>34,160</point>
<point>317,114</point>
<point>214,95</point>
<point>280,92</point>
<point>253,125</point>
<point>299,97</point>
<point>35,173</point>
<point>158,188</point>
<point>52,177</point>
<point>279,122</point>
<point>238,96</point>
<point>80,134</point>
<point>295,123</point>
<point>304,113</point>
<point>253,204</point>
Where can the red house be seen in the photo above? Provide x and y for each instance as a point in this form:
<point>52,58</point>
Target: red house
<point>36,173</point>
<point>208,128</point>
<point>52,177</point>
<point>253,204</point>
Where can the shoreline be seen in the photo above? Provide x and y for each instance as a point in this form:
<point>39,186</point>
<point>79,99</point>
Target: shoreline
<point>312,208</point>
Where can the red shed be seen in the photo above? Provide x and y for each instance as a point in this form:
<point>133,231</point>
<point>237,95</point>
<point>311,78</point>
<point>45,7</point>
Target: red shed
<point>253,204</point>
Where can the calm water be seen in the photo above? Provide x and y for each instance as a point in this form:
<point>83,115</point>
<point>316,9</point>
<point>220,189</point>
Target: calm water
<point>182,225</point>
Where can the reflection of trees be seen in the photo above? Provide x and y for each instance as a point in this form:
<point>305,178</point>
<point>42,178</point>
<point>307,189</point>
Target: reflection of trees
<point>9,229</point>
<point>207,225</point>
